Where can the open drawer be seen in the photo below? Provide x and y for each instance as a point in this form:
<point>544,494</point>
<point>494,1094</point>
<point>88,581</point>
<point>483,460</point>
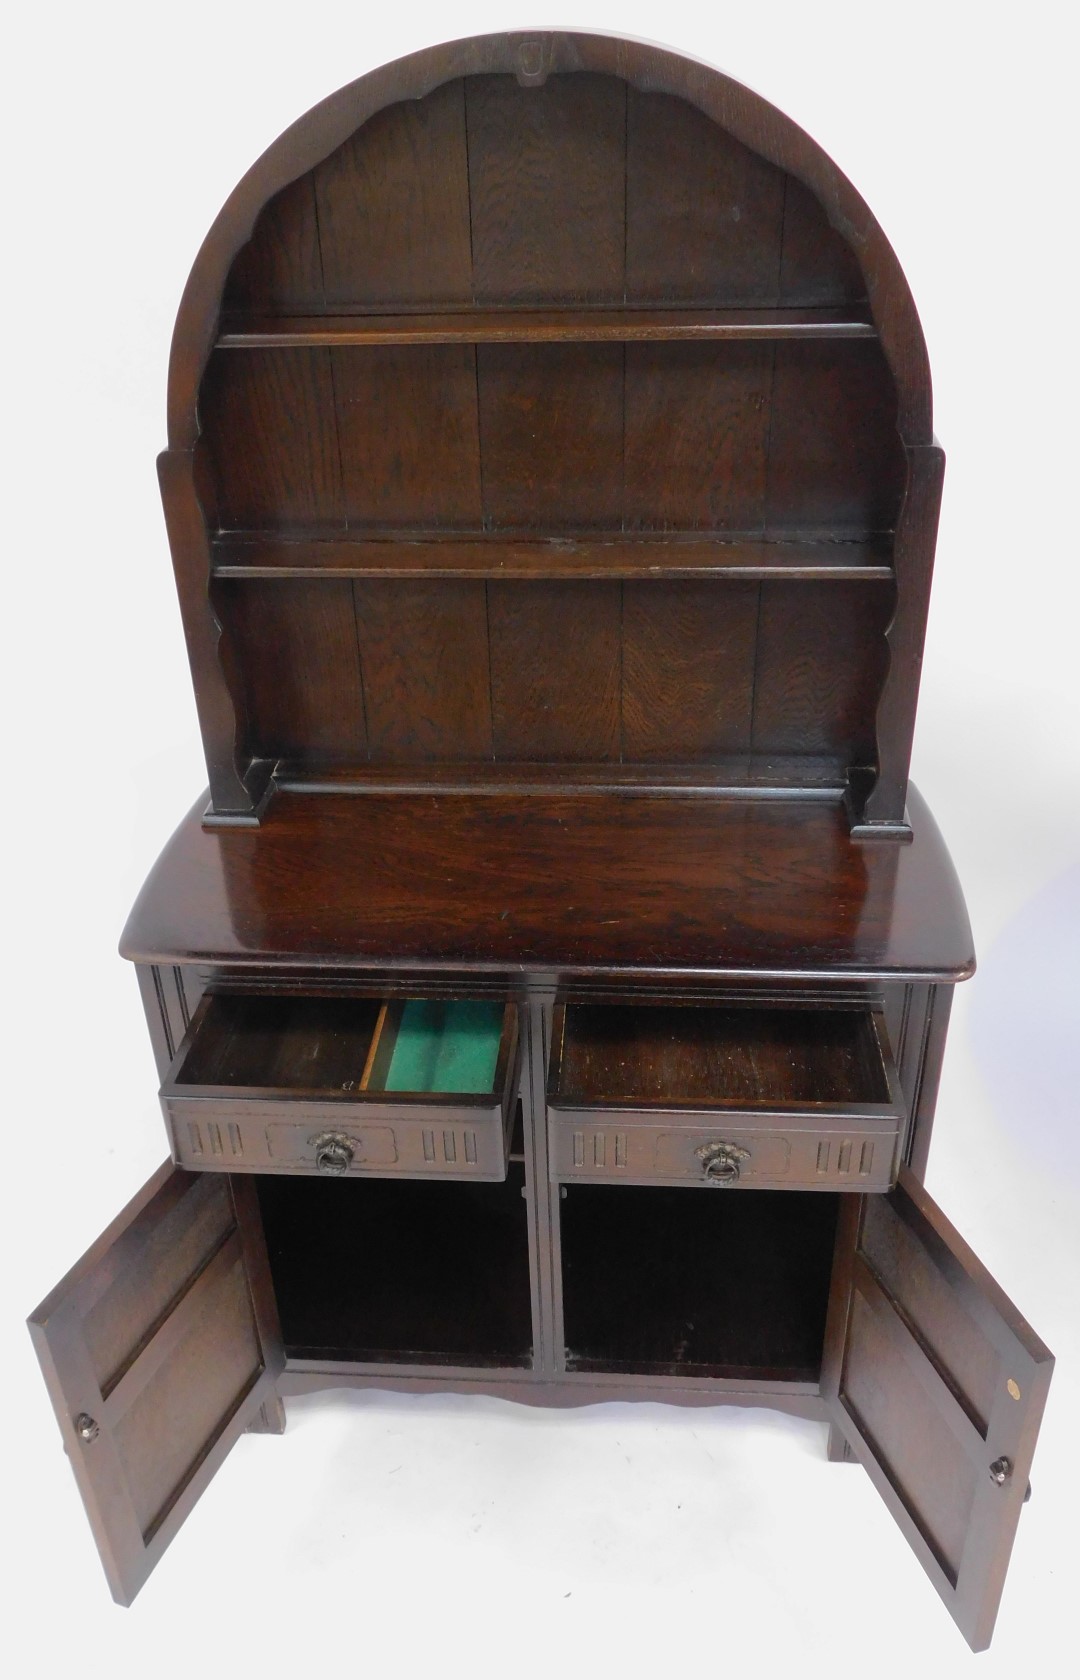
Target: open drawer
<point>338,1086</point>
<point>776,1096</point>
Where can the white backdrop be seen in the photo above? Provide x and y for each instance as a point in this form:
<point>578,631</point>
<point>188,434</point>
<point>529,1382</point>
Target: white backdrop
<point>413,1535</point>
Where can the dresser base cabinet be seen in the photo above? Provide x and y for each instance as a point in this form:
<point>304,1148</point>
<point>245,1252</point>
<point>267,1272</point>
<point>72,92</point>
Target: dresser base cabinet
<point>211,1296</point>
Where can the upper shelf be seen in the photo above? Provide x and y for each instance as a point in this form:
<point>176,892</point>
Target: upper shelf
<point>255,554</point>
<point>540,326</point>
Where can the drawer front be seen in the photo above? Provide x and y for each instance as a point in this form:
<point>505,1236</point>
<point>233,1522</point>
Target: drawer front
<point>334,1139</point>
<point>307,1085</point>
<point>762,1096</point>
<point>743,1152</point>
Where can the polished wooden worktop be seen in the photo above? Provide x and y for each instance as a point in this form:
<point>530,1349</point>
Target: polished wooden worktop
<point>575,883</point>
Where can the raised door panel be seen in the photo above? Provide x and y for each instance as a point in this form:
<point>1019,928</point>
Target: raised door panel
<point>938,1385</point>
<point>159,1349</point>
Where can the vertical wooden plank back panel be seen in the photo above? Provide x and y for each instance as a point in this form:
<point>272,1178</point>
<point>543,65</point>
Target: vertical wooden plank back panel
<point>268,421</point>
<point>836,463</point>
<point>393,207</point>
<point>424,657</point>
<point>817,267</point>
<point>703,213</point>
<point>280,268</point>
<point>820,665</point>
<point>697,428</point>
<point>551,432</point>
<point>555,670</point>
<point>547,172</point>
<point>295,642</point>
<point>688,669</point>
<point>410,445</point>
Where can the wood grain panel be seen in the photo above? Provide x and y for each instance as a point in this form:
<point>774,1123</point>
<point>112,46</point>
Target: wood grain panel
<point>687,669</point>
<point>547,170</point>
<point>394,206</point>
<point>410,450</point>
<point>424,656</point>
<point>936,1482</point>
<point>555,670</point>
<point>280,268</point>
<point>820,664</point>
<point>268,420</point>
<point>697,428</point>
<point>703,213</point>
<point>163,1435</point>
<point>295,642</point>
<point>835,458</point>
<point>927,1298</point>
<point>817,266</point>
<point>170,1253</point>
<point>551,431</point>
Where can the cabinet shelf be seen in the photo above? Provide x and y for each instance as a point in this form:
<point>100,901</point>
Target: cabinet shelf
<point>257,555</point>
<point>539,326</point>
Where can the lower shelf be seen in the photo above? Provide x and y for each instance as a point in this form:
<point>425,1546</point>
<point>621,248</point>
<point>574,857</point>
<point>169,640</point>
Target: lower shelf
<point>401,1271</point>
<point>690,1282</point>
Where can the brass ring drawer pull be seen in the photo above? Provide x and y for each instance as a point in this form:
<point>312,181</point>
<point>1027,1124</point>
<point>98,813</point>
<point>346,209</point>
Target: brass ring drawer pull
<point>333,1154</point>
<point>721,1162</point>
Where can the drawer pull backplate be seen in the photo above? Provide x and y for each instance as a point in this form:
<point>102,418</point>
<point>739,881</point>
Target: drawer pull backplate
<point>721,1162</point>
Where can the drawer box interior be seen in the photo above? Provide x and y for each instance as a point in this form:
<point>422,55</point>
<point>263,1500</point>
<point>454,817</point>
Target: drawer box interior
<point>353,1045</point>
<point>401,1271</point>
<point>704,1056</point>
<point>666,1282</point>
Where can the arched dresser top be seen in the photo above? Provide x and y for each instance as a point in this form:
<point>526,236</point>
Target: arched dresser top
<point>532,58</point>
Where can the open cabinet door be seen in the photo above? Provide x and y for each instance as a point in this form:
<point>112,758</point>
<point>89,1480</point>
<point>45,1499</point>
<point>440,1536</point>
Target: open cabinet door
<point>159,1349</point>
<point>938,1385</point>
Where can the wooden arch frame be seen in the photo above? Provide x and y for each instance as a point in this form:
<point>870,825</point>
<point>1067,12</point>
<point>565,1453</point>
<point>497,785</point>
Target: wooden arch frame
<point>238,789</point>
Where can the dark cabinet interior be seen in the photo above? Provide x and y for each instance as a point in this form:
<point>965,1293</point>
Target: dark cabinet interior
<point>551,998</point>
<point>677,1282</point>
<point>401,1272</point>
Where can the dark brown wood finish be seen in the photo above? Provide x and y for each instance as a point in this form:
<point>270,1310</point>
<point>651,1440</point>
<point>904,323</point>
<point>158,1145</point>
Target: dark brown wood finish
<point>552,494</point>
<point>592,883</point>
<point>938,1385</point>
<point>436,290</point>
<point>160,1348</point>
